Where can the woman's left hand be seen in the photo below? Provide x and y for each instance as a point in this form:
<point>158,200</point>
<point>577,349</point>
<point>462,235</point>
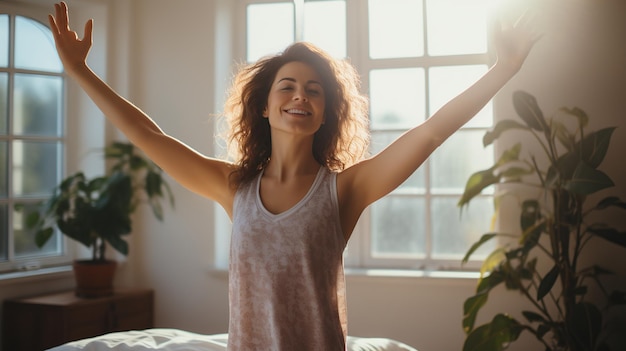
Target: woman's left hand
<point>513,44</point>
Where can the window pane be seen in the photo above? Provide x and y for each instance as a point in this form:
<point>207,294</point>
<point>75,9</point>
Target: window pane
<point>35,167</point>
<point>37,105</point>
<point>4,174</point>
<point>454,232</point>
<point>4,232</point>
<point>4,41</point>
<point>396,28</point>
<point>34,46</point>
<point>457,27</point>
<point>446,82</point>
<point>270,29</point>
<point>416,183</point>
<point>4,99</point>
<point>397,98</point>
<point>325,26</point>
<point>399,227</point>
<point>25,239</point>
<point>456,159</point>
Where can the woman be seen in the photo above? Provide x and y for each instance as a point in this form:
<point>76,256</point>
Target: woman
<point>300,181</point>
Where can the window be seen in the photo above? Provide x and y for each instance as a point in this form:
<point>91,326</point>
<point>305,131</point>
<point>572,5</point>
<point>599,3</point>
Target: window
<point>31,136</point>
<point>413,56</point>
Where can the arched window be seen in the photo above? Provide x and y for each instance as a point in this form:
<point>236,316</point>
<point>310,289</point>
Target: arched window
<point>32,136</point>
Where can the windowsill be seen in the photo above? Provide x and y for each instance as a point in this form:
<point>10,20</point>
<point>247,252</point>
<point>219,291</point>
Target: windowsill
<point>35,275</point>
<point>385,273</point>
<point>410,273</point>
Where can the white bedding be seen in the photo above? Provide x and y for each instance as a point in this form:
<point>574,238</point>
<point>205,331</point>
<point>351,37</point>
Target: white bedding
<point>178,340</point>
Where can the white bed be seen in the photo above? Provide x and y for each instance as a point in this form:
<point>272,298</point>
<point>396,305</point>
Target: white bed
<point>177,340</point>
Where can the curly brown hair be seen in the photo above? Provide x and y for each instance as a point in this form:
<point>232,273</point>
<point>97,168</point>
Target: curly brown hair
<point>340,142</point>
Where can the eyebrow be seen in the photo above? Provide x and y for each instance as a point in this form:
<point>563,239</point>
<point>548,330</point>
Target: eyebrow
<point>311,81</point>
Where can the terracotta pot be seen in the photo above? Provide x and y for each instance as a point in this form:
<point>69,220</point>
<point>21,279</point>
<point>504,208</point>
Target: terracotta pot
<point>94,278</point>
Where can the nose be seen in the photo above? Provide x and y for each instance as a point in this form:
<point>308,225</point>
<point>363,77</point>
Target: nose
<point>300,95</point>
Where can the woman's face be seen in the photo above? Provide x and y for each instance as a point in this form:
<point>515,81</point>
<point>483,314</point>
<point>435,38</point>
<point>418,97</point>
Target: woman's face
<point>296,101</point>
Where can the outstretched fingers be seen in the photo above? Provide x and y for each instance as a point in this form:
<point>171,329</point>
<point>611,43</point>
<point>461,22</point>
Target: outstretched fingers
<point>527,22</point>
<point>72,50</point>
<point>87,34</point>
<point>62,16</point>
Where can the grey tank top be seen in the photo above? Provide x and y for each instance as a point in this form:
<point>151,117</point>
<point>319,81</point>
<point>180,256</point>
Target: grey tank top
<point>286,280</point>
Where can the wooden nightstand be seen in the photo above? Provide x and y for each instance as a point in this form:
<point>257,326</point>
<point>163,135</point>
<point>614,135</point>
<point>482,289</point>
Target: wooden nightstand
<point>41,322</point>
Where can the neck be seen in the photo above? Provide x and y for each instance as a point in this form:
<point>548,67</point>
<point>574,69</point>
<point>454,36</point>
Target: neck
<point>291,157</point>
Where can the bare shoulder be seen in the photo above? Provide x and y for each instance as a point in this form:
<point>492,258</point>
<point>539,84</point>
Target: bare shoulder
<point>206,176</point>
<point>215,181</point>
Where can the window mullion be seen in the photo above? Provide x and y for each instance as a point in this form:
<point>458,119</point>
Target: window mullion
<point>427,164</point>
<point>298,8</point>
<point>9,139</point>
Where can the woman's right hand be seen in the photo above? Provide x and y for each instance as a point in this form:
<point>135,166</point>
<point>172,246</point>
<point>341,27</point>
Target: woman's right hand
<point>72,50</point>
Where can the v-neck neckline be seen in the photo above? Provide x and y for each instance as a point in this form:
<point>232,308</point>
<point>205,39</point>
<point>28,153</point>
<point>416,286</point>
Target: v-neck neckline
<point>296,206</point>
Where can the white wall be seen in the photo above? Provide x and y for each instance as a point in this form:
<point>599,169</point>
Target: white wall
<point>162,58</point>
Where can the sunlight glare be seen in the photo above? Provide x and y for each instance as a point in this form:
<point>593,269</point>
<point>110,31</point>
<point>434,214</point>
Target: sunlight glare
<point>457,26</point>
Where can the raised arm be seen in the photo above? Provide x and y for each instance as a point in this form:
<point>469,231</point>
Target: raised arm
<point>203,175</point>
<point>373,178</point>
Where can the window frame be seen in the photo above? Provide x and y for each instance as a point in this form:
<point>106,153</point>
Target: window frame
<point>66,252</point>
<point>359,250</point>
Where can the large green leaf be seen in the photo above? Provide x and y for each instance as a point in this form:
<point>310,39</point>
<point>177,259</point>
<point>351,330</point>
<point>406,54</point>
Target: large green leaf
<point>483,239</point>
<point>500,128</point>
<point>480,180</point>
<point>611,201</point>
<point>587,180</point>
<point>118,244</point>
<point>563,169</point>
<point>494,336</point>
<point>510,155</point>
<point>476,302</point>
<point>492,261</point>
<point>32,219</point>
<point>610,234</point>
<point>42,236</point>
<point>574,164</point>
<point>137,162</point>
<point>476,183</point>
<point>470,310</point>
<point>595,146</point>
<point>533,316</point>
<point>547,282</point>
<point>153,184</point>
<point>118,149</point>
<point>528,110</point>
<point>490,281</point>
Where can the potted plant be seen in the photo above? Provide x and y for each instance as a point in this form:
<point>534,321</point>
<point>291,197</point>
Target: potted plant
<point>543,263</point>
<point>96,212</point>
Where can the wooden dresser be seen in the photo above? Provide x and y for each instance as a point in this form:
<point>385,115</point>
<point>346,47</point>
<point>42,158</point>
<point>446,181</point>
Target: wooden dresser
<point>40,322</point>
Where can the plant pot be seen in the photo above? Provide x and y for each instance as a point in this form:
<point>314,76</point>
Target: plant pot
<point>94,278</point>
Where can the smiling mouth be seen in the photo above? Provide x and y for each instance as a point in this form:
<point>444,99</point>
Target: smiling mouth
<point>295,111</point>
